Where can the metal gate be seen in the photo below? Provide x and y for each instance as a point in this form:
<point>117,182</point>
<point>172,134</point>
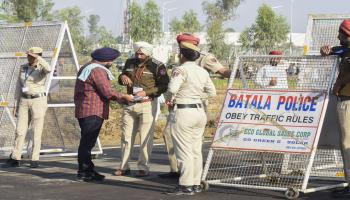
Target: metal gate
<point>61,132</point>
<point>254,147</point>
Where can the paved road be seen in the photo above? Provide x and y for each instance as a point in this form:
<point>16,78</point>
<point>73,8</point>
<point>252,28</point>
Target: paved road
<point>55,180</point>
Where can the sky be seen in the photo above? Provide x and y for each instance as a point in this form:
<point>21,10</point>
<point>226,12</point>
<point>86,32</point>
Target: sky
<point>111,11</point>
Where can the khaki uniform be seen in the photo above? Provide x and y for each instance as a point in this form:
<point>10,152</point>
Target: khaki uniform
<point>152,77</point>
<point>33,103</point>
<point>188,84</point>
<point>208,62</point>
<point>343,109</point>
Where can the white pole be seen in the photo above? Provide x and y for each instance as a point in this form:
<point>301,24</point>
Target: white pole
<point>163,12</point>
<point>163,18</point>
<point>291,26</point>
<point>168,17</point>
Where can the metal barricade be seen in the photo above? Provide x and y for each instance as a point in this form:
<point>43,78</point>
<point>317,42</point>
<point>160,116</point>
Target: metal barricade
<point>61,132</point>
<point>270,125</point>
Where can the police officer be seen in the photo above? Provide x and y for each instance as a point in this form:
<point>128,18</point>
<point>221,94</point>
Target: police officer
<point>209,62</point>
<point>146,78</point>
<point>341,89</point>
<point>33,103</point>
<point>186,88</point>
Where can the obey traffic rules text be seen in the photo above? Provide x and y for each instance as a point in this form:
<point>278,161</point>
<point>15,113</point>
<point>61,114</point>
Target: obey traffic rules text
<point>280,121</point>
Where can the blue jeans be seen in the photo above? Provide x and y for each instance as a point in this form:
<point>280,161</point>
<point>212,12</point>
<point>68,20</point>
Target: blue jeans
<point>90,129</point>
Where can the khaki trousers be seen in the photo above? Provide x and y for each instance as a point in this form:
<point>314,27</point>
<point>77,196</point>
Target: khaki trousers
<point>167,132</point>
<point>138,117</point>
<point>36,108</point>
<point>167,136</point>
<point>188,126</point>
<point>343,109</point>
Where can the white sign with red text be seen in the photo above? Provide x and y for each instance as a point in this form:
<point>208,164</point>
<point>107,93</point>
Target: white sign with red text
<point>279,121</point>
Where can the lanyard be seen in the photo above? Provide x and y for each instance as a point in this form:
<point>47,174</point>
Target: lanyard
<point>26,75</point>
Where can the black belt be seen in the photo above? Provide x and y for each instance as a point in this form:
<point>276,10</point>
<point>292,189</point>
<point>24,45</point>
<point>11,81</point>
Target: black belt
<point>179,106</point>
<point>33,96</point>
<point>344,98</point>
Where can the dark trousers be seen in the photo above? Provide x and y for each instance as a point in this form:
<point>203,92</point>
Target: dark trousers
<point>90,129</point>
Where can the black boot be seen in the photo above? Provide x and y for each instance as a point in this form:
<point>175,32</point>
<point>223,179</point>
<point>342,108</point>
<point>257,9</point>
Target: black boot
<point>11,163</point>
<point>181,190</point>
<point>34,164</point>
<point>87,173</point>
<point>170,175</point>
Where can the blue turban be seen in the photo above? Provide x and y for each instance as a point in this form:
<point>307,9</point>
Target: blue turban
<point>105,54</point>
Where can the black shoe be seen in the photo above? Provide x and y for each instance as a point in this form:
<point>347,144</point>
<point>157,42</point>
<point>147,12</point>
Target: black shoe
<point>34,164</point>
<point>197,189</point>
<point>11,163</point>
<point>181,190</point>
<point>344,192</point>
<point>97,176</point>
<point>170,175</point>
<point>88,176</point>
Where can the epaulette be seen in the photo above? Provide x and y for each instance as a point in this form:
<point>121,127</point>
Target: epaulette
<point>157,62</point>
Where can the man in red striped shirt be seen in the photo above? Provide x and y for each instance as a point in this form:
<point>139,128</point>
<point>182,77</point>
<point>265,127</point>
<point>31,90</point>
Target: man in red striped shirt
<point>92,94</point>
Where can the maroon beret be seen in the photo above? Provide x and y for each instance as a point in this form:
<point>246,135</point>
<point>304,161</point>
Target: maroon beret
<point>186,37</point>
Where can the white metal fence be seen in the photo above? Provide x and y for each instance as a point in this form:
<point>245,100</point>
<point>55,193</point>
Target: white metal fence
<point>61,132</point>
<point>322,29</point>
<point>256,148</point>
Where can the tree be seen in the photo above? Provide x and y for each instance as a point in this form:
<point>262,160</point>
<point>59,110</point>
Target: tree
<point>188,24</point>
<point>229,30</point>
<point>99,35</point>
<point>269,31</point>
<point>75,21</point>
<point>145,23</point>
<point>176,25</point>
<point>93,24</point>
<point>217,13</point>
<point>106,38</point>
<point>26,10</point>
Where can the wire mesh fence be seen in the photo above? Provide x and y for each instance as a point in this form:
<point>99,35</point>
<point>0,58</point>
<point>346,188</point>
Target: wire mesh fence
<point>260,145</point>
<point>323,30</point>
<point>61,130</point>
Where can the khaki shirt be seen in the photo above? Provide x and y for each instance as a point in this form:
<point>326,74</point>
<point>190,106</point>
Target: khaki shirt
<point>209,62</point>
<point>154,78</point>
<point>33,78</point>
<point>188,84</point>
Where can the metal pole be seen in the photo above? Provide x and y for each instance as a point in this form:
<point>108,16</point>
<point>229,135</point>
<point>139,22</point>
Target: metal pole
<point>291,26</point>
<point>163,11</point>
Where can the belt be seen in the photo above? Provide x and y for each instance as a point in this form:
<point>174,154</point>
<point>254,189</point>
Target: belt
<point>198,105</point>
<point>146,100</point>
<point>33,96</point>
<point>344,98</point>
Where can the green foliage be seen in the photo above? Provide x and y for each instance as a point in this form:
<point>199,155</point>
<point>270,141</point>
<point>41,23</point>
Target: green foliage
<point>216,40</point>
<point>176,25</point>
<point>145,23</point>
<point>106,38</point>
<point>188,24</point>
<point>219,12</point>
<point>99,35</point>
<point>269,31</point>
<point>93,24</point>
<point>72,15</point>
<point>26,10</point>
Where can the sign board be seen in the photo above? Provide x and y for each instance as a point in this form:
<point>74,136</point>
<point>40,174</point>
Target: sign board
<point>265,120</point>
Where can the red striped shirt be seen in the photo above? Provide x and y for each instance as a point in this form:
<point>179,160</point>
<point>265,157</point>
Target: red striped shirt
<point>92,96</point>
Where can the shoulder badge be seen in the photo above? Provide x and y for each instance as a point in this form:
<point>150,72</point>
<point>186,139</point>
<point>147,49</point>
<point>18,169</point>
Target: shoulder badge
<point>213,59</point>
<point>175,73</point>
